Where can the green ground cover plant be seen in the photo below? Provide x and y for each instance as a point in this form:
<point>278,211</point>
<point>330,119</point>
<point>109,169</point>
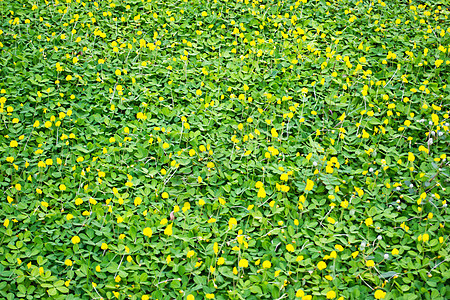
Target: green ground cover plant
<point>224,149</point>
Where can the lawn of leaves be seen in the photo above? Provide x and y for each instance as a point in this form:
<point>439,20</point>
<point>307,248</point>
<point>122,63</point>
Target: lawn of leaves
<point>224,149</point>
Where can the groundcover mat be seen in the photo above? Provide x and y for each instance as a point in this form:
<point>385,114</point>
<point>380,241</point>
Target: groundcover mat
<point>224,149</point>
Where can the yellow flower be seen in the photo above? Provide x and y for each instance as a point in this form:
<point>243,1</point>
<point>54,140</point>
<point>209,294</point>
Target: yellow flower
<point>168,230</point>
<point>148,231</point>
<point>261,193</point>
<point>274,133</point>
<point>165,195</point>
<point>75,239</point>
<point>191,152</point>
<point>190,254</point>
<point>186,206</point>
<point>69,217</point>
<point>267,264</point>
<point>137,201</point>
<point>13,144</point>
<point>117,279</point>
<point>243,263</point>
<point>379,294</point>
<point>435,119</point>
<point>333,254</point>
<point>370,263</point>
<point>104,246</point>
<point>331,295</point>
<point>232,222</point>
<point>190,297</point>
<point>290,248</point>
<point>6,223</point>
<point>309,185</point>
<point>321,265</point>
<point>395,251</point>
<point>221,261</point>
<point>209,296</point>
<point>299,294</point>
<point>368,221</point>
<point>68,262</point>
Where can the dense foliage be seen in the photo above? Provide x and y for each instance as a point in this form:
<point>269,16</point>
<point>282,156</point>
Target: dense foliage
<point>224,149</point>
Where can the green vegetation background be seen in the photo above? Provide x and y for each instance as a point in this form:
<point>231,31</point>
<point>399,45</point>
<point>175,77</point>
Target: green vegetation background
<point>224,149</point>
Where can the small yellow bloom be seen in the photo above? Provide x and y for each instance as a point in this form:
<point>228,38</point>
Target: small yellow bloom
<point>321,265</point>
<point>243,263</point>
<point>168,230</point>
<point>309,185</point>
<point>370,263</point>
<point>290,248</point>
<point>148,231</point>
<point>137,201</point>
<point>379,294</point>
<point>331,295</point>
<point>267,264</point>
<point>299,294</point>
